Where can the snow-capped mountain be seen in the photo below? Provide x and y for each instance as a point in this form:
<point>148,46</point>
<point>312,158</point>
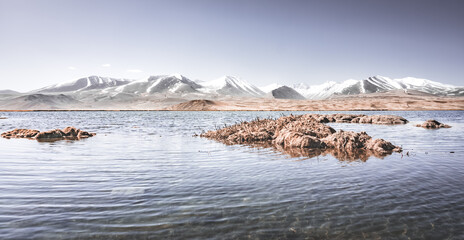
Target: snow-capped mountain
<point>82,84</point>
<point>231,86</point>
<point>174,83</point>
<point>316,91</point>
<point>96,88</point>
<point>376,84</point>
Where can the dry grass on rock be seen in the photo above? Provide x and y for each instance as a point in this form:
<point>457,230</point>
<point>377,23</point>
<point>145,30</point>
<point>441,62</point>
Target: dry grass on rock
<point>308,132</point>
<point>69,133</point>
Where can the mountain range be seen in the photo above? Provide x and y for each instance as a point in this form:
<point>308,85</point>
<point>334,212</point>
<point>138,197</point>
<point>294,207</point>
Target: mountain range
<point>377,84</point>
<point>95,91</point>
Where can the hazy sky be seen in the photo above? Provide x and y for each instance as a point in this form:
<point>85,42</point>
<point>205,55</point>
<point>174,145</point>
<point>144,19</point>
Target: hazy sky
<point>48,41</point>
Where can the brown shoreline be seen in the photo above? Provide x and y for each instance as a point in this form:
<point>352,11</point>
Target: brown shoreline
<point>368,102</point>
<point>238,110</point>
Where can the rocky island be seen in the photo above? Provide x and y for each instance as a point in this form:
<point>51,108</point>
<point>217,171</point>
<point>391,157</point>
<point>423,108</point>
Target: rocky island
<point>308,132</point>
<point>433,124</point>
<point>68,133</point>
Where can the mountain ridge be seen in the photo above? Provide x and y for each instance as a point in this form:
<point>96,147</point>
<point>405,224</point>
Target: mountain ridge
<point>230,86</point>
<point>159,92</point>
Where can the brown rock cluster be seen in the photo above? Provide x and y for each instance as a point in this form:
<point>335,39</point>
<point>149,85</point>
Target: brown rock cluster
<point>308,132</point>
<point>70,133</point>
<point>20,133</point>
<point>433,124</point>
<point>358,118</point>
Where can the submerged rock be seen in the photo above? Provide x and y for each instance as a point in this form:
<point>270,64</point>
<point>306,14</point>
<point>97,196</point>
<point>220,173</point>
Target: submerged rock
<point>433,124</point>
<point>70,133</point>
<point>308,132</point>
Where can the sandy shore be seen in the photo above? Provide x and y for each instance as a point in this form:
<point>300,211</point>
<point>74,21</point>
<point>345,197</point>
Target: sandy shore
<point>374,102</point>
<point>396,101</point>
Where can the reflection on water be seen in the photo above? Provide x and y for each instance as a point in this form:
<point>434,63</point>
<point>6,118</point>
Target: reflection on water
<point>357,154</point>
<point>144,176</point>
<point>342,155</point>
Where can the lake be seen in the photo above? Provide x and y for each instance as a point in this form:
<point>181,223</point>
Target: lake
<point>144,176</point>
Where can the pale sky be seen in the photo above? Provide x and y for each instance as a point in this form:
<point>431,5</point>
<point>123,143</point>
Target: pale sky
<point>43,42</point>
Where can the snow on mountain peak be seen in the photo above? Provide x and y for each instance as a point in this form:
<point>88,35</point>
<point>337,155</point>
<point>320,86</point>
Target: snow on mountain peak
<point>177,75</point>
<point>87,83</point>
<point>174,83</point>
<point>270,87</point>
<point>234,86</point>
<point>230,85</point>
<point>371,85</point>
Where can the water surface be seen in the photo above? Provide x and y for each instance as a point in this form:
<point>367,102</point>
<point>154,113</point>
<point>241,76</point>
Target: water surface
<point>145,176</point>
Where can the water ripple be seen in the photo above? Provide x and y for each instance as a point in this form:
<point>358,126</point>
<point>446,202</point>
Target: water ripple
<point>144,176</point>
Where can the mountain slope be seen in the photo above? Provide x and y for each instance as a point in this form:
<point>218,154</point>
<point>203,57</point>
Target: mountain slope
<point>41,101</point>
<point>175,83</point>
<point>82,84</point>
<point>231,86</point>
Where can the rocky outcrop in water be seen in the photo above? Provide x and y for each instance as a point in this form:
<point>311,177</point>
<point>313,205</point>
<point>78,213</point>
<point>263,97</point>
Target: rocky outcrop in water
<point>433,124</point>
<point>69,133</point>
<point>307,132</point>
<point>20,133</point>
<point>359,118</point>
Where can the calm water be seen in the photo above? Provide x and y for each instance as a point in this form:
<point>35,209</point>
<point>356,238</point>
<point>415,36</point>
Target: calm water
<point>145,176</point>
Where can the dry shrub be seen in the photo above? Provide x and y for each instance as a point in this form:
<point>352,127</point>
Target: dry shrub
<point>309,132</point>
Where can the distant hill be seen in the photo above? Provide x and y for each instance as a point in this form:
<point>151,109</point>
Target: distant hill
<point>285,92</point>
<point>41,101</point>
<point>197,105</point>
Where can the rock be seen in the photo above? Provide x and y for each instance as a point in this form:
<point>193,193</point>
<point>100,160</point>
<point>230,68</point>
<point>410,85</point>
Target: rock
<point>70,133</point>
<point>383,119</point>
<point>20,133</point>
<point>358,118</point>
<point>381,146</point>
<point>308,132</point>
<point>347,140</point>
<point>433,124</point>
<point>84,134</point>
<point>288,138</point>
<point>57,133</point>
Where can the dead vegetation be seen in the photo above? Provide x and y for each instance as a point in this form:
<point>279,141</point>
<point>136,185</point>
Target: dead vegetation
<point>309,133</point>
